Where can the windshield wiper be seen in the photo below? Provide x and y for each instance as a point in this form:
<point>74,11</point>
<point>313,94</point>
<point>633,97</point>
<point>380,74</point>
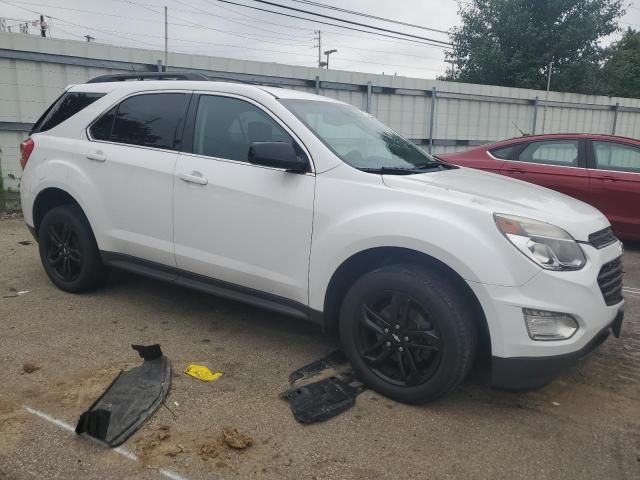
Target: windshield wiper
<point>403,170</point>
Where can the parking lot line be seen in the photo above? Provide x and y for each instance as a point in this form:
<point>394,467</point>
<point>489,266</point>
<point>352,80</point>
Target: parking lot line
<point>120,450</point>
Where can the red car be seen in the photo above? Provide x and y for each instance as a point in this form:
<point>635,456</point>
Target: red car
<point>602,170</point>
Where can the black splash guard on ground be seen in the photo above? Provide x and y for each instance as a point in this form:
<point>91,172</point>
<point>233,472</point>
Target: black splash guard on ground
<point>130,400</point>
<point>322,389</point>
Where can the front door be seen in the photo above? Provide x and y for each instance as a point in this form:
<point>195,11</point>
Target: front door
<point>242,224</point>
<point>615,185</point>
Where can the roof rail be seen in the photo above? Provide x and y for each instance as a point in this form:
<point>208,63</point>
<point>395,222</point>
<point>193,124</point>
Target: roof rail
<point>122,77</point>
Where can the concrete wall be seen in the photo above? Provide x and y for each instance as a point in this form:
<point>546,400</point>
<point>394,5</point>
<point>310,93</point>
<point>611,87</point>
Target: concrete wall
<point>35,70</point>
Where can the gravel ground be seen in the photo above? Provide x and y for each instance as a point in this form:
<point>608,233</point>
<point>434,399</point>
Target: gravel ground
<point>584,425</point>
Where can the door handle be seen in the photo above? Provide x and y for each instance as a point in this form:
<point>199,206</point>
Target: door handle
<point>609,179</point>
<point>194,177</point>
<point>97,156</point>
<point>515,170</point>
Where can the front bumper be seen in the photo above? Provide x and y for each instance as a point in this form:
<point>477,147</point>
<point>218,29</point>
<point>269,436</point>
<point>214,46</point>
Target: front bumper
<point>525,373</point>
<point>520,362</point>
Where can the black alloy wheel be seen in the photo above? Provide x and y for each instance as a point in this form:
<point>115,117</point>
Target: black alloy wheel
<point>398,340</point>
<point>64,252</point>
<point>410,332</point>
<point>68,250</point>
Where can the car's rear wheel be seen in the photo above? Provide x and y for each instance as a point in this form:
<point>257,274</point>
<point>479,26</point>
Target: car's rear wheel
<point>68,250</point>
<point>408,332</point>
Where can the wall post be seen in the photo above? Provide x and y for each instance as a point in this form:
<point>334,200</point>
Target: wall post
<point>432,118</point>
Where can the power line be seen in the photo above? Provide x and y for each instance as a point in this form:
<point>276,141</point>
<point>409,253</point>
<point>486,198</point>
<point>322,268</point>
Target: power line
<point>235,34</point>
<point>352,12</point>
<point>439,44</point>
<point>252,19</point>
<point>333,32</point>
<point>395,32</point>
<point>204,12</point>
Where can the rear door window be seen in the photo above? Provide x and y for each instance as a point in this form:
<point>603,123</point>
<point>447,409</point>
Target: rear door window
<point>616,156</point>
<point>150,120</point>
<point>66,106</point>
<point>552,152</point>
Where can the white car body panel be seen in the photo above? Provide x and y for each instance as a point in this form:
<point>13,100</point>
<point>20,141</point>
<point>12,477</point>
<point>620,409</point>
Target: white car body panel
<point>286,234</point>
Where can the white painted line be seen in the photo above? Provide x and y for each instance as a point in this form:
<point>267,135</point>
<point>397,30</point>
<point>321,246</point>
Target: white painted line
<point>59,423</point>
<point>121,450</point>
<point>630,289</point>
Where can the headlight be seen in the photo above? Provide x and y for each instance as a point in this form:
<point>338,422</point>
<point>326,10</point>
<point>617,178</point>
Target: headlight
<point>545,244</point>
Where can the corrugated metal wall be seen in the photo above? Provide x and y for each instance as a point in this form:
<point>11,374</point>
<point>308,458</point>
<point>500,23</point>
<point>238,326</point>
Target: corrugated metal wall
<point>34,71</point>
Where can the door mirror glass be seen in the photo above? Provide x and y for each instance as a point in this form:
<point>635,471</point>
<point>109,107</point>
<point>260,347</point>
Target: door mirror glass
<point>277,155</point>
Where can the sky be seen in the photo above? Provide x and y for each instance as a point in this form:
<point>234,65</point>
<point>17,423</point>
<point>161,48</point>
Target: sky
<point>216,28</point>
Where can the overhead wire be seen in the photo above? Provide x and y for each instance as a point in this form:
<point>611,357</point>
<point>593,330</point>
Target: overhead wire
<point>367,15</point>
<point>308,12</point>
<point>322,22</point>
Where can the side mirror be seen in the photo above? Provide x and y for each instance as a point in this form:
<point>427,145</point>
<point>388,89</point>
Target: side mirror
<point>276,154</point>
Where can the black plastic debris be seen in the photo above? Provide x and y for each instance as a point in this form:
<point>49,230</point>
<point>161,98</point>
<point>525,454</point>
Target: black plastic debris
<point>131,399</point>
<point>332,361</point>
<point>322,389</point>
<point>321,400</point>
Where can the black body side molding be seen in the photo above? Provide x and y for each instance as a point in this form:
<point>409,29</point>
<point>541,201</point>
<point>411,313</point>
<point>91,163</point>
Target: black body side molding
<point>211,285</point>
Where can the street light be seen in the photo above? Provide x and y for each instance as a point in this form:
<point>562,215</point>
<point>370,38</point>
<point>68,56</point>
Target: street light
<point>327,53</point>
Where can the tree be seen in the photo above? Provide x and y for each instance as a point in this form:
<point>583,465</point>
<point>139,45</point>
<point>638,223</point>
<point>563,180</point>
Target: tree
<point>621,71</point>
<point>512,42</point>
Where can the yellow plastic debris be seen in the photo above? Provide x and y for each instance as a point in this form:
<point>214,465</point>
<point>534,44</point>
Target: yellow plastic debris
<point>201,372</point>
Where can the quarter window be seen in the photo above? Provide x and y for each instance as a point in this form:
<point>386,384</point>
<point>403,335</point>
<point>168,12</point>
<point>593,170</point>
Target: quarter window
<point>552,152</point>
<point>226,127</point>
<point>616,156</point>
<point>504,152</point>
<point>150,120</point>
<point>66,106</point>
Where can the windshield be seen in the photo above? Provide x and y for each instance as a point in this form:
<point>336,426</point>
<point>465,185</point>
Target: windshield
<point>360,139</point>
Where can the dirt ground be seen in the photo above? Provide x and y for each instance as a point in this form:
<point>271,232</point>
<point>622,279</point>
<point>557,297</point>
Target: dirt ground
<point>584,425</point>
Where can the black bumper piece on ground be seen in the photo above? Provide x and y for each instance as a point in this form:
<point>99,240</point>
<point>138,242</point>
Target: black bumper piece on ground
<point>526,373</point>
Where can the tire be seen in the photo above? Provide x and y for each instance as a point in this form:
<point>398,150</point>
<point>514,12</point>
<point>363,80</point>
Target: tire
<point>68,250</point>
<point>423,354</point>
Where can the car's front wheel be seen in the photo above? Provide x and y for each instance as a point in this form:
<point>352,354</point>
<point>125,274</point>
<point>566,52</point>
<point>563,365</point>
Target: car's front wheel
<point>68,250</point>
<point>409,332</point>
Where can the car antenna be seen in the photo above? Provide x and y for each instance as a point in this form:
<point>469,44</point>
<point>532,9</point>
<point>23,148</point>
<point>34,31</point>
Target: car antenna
<point>519,129</point>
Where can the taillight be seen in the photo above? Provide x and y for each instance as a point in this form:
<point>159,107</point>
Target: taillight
<point>26,148</point>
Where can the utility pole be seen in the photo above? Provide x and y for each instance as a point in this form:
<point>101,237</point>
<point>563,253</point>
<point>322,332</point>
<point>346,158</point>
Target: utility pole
<point>43,27</point>
<point>89,38</point>
<point>166,40</point>
<point>319,39</point>
<point>327,53</point>
<point>546,98</point>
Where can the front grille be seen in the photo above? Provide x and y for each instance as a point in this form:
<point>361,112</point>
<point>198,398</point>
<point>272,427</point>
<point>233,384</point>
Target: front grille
<point>602,238</point>
<point>610,281</point>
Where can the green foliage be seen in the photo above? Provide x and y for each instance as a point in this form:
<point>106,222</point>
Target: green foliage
<point>622,68</point>
<point>511,42</point>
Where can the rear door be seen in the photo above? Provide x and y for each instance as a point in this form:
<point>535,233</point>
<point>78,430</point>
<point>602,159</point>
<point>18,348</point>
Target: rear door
<point>615,184</point>
<point>559,164</point>
<point>130,158</point>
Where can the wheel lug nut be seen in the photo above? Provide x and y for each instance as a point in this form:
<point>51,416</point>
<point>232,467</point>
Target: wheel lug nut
<point>400,349</point>
<point>386,330</point>
<point>397,327</point>
<point>406,339</point>
<point>388,344</point>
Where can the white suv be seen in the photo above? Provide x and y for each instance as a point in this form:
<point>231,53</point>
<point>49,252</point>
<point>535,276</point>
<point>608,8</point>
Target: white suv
<point>309,207</point>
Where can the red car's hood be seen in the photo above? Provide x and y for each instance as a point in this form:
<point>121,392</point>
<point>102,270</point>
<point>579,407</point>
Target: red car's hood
<point>499,194</point>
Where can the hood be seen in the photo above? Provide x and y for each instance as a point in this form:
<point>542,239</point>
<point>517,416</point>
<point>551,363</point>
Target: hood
<point>499,194</point>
